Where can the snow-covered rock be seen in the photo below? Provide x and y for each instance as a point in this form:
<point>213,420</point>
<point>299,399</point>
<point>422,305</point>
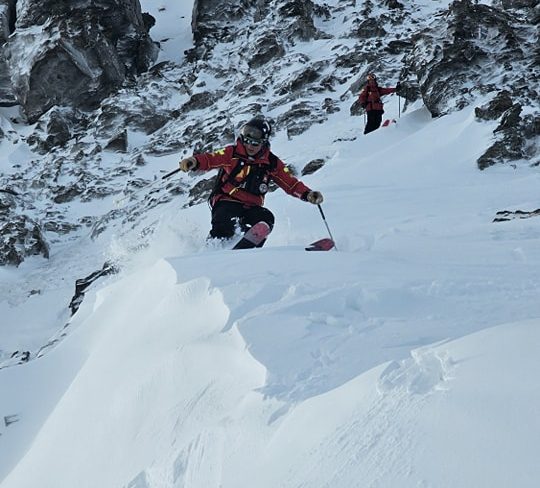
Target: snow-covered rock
<point>7,25</point>
<point>20,235</point>
<point>474,50</point>
<point>76,55</point>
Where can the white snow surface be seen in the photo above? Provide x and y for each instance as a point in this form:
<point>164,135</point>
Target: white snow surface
<point>173,27</point>
<point>409,357</point>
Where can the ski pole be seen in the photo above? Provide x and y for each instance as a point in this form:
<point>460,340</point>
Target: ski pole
<point>327,228</point>
<point>399,106</point>
<point>164,177</point>
<point>168,175</point>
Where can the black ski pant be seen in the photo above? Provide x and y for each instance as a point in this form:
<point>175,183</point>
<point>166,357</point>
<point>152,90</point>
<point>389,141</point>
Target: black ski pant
<point>374,119</point>
<point>226,215</point>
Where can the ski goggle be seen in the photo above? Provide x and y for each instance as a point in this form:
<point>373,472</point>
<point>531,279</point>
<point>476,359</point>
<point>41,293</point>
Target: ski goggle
<point>252,136</point>
<point>251,141</point>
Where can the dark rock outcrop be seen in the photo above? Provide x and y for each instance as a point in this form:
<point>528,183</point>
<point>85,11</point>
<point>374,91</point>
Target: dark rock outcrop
<point>201,191</point>
<point>139,112</point>
<point>7,19</point>
<point>210,19</point>
<point>82,285</point>
<point>300,117</point>
<point>496,107</point>
<point>7,25</point>
<point>313,166</point>
<point>450,58</point>
<point>506,215</point>
<point>55,128</point>
<point>119,143</point>
<point>300,13</point>
<point>81,53</point>
<point>369,27</point>
<point>473,51</point>
<point>20,235</point>
<point>265,49</point>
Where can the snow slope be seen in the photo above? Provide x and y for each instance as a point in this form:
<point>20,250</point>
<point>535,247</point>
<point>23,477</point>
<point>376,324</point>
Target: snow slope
<point>407,358</point>
<point>172,29</point>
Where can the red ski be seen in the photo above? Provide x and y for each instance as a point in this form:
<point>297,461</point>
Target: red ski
<point>259,232</point>
<point>253,236</point>
<point>321,245</point>
<point>387,122</point>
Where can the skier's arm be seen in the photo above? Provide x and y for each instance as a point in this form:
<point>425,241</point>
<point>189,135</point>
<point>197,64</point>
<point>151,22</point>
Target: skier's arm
<point>386,91</point>
<point>218,159</point>
<point>286,181</point>
<point>208,161</point>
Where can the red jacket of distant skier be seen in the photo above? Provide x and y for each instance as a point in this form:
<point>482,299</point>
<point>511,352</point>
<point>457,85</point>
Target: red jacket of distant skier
<point>230,157</point>
<point>370,97</point>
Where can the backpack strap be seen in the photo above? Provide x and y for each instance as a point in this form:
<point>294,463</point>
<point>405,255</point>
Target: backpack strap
<point>273,162</point>
<point>220,182</point>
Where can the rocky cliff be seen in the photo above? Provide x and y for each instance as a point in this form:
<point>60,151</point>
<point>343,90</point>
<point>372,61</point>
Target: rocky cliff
<point>73,53</point>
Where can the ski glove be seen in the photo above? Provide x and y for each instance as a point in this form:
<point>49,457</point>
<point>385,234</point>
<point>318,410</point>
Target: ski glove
<point>314,197</point>
<point>188,164</point>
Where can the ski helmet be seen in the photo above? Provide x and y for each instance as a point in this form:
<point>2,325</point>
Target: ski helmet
<point>256,132</point>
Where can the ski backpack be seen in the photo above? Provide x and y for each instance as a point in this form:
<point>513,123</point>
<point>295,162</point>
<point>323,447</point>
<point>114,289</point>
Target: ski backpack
<point>254,182</point>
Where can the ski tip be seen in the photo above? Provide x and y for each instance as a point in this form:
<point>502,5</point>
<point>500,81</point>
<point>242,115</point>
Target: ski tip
<point>321,245</point>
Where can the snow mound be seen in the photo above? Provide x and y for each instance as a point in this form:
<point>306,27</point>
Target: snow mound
<point>179,387</point>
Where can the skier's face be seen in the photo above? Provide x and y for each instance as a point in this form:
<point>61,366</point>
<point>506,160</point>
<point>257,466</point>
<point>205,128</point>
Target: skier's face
<point>252,149</point>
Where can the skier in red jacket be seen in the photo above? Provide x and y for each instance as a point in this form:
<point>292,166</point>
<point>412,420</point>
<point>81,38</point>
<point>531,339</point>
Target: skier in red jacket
<point>246,170</point>
<point>370,99</point>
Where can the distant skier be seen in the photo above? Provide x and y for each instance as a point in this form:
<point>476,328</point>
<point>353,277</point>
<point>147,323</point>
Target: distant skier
<point>370,100</point>
<point>246,169</point>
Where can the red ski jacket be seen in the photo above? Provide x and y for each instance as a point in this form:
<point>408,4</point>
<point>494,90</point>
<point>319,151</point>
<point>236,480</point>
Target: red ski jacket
<point>370,97</point>
<point>242,175</point>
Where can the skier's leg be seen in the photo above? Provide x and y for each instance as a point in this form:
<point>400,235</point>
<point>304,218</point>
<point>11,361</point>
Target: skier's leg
<point>377,118</point>
<point>374,119</point>
<point>225,216</point>
<point>370,126</point>
<point>257,214</point>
